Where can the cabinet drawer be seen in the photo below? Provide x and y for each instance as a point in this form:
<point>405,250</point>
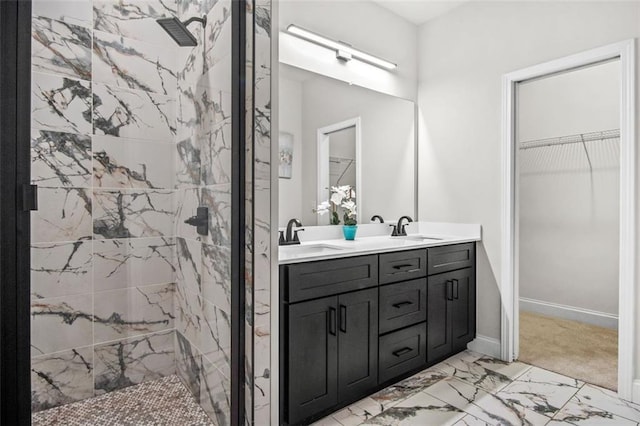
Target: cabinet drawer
<point>402,266</point>
<point>403,304</point>
<point>449,258</point>
<point>402,351</point>
<point>329,277</point>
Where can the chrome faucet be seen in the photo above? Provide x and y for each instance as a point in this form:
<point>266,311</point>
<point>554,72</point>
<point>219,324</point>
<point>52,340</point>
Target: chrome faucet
<point>289,239</point>
<point>399,229</point>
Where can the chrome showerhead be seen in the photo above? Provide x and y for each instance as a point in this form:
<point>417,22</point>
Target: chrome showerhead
<point>178,29</point>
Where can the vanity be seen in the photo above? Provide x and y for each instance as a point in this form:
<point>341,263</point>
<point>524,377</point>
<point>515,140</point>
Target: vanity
<point>358,316</point>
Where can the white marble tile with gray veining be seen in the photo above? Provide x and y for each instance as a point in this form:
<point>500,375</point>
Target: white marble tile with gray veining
<point>60,104</point>
<point>215,341</point>
<point>61,269</point>
<point>189,264</point>
<point>67,216</point>
<point>189,314</point>
<point>216,276</point>
<point>75,12</point>
<point>577,413</point>
<point>131,361</point>
<point>60,48</point>
<point>133,213</point>
<point>215,154</point>
<point>358,413</point>
<point>201,110</point>
<point>61,378</point>
<point>215,393</point>
<point>133,311</point>
<point>187,202</point>
<point>218,200</point>
<point>188,162</point>
<point>468,370</point>
<point>133,64</point>
<point>61,323</point>
<point>607,400</point>
<point>541,391</point>
<point>402,390</point>
<point>484,405</point>
<point>188,364</point>
<point>217,39</point>
<point>133,114</point>
<point>422,409</point>
<point>121,263</point>
<point>131,163</point>
<point>135,19</point>
<point>60,159</point>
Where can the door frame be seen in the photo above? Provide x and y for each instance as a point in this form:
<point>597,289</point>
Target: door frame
<point>625,51</point>
<point>15,115</point>
<point>323,138</point>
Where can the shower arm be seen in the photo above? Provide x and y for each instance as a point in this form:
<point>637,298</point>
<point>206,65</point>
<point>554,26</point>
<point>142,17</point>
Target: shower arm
<point>202,20</point>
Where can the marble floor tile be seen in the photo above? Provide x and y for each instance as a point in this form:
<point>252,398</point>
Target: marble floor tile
<point>577,413</point>
<point>510,369</point>
<point>465,367</point>
<point>470,421</point>
<point>540,390</point>
<point>358,413</point>
<point>393,394</point>
<point>483,405</point>
<point>422,409</point>
<point>605,399</point>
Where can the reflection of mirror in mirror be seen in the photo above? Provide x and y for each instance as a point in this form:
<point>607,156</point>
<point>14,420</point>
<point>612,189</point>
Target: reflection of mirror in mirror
<point>345,135</point>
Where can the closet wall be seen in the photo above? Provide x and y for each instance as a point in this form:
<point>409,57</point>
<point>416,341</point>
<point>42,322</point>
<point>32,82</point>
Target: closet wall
<point>568,200</point>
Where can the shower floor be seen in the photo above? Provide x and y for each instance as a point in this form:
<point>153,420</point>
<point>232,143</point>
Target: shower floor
<point>165,402</point>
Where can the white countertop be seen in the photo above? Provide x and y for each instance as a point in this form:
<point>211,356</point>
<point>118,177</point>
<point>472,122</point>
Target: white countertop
<point>419,235</point>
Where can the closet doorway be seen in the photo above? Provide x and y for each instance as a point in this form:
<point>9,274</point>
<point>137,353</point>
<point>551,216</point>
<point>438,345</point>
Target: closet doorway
<point>624,52</point>
<point>567,221</point>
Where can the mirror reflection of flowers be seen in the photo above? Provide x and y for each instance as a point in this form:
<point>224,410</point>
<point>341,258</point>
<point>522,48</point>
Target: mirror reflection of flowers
<point>341,197</point>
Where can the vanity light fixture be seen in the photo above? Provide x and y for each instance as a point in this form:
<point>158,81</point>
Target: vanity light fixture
<point>344,52</point>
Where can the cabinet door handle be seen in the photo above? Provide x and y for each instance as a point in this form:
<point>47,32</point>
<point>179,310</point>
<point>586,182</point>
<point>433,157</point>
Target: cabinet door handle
<point>449,290</point>
<point>401,304</point>
<point>402,351</point>
<point>343,318</point>
<point>332,321</point>
<point>456,290</point>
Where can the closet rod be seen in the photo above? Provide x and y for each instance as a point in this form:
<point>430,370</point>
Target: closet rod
<point>580,138</point>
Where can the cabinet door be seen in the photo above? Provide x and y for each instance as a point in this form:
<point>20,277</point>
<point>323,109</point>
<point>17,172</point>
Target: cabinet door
<point>313,357</point>
<point>463,308</point>
<point>357,343</point>
<point>438,317</point>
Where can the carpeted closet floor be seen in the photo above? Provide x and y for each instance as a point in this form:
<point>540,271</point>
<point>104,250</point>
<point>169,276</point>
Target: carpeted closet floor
<point>578,350</point>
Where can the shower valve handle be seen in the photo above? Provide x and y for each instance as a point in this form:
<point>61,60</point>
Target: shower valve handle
<point>200,221</point>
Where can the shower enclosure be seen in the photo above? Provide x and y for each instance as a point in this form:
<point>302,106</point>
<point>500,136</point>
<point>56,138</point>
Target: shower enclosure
<point>132,135</point>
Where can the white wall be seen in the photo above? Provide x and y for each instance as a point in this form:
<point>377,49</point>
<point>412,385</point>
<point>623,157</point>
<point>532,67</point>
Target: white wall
<point>290,120</point>
<point>568,213</point>
<point>388,146</point>
<point>365,26</point>
<point>463,56</point>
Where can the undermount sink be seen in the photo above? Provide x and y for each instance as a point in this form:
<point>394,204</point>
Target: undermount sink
<point>309,249</point>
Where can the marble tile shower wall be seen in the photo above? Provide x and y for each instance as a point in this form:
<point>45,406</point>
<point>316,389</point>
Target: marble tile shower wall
<point>103,140</point>
<point>203,169</point>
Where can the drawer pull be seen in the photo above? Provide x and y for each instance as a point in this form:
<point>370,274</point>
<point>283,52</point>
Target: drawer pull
<point>332,321</point>
<point>449,290</point>
<point>456,290</point>
<point>401,304</point>
<point>343,318</point>
<point>402,351</point>
<point>404,266</point>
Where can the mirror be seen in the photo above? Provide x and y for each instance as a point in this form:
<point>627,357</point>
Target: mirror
<point>334,134</point>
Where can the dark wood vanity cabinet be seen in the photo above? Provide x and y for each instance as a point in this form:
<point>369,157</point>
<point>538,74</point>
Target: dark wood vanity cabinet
<point>349,327</point>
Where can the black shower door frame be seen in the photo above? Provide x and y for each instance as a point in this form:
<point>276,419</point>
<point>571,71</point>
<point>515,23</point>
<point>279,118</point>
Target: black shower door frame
<point>15,115</point>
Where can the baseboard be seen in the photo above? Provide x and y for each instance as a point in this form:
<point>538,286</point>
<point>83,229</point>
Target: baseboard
<point>635,397</point>
<point>485,345</point>
<point>556,310</point>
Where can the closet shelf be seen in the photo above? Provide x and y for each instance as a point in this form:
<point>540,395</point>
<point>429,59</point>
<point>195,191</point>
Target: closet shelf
<point>564,140</point>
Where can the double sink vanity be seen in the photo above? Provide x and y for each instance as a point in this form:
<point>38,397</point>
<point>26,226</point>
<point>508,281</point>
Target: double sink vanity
<point>358,316</point>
